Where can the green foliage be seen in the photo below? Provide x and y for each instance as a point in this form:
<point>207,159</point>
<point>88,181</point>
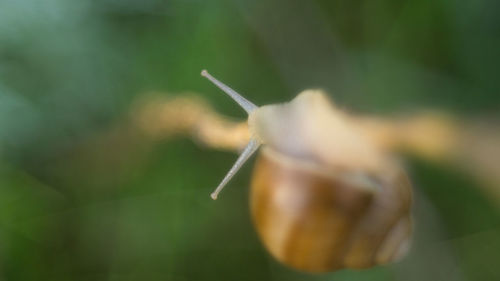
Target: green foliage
<point>69,71</point>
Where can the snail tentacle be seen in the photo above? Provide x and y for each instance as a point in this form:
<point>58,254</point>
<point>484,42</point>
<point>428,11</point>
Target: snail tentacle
<point>247,105</point>
<point>250,149</point>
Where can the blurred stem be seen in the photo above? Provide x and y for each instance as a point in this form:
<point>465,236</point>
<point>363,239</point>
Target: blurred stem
<point>161,118</point>
<point>433,136</point>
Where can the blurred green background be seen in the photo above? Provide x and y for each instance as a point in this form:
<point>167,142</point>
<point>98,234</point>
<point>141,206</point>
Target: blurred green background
<point>76,206</point>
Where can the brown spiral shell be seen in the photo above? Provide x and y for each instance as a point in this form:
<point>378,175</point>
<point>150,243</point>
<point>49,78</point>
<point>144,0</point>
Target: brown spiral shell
<point>318,220</point>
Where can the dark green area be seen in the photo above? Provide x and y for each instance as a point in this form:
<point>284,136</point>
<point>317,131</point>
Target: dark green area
<point>69,71</point>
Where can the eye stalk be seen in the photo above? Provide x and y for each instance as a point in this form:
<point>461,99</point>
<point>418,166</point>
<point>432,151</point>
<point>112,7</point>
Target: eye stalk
<point>252,145</point>
<point>247,105</point>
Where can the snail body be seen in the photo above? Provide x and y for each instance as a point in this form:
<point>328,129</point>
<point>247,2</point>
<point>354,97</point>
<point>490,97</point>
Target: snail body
<point>322,196</point>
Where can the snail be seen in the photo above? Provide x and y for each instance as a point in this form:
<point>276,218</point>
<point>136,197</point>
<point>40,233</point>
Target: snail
<point>323,197</point>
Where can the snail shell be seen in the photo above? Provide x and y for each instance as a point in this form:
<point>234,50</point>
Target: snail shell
<point>316,220</point>
<point>323,197</point>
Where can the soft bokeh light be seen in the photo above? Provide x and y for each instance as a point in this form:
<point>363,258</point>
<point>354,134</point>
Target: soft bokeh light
<point>86,194</point>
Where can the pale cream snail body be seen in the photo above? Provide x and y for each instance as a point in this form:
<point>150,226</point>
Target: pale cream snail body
<point>323,197</point>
